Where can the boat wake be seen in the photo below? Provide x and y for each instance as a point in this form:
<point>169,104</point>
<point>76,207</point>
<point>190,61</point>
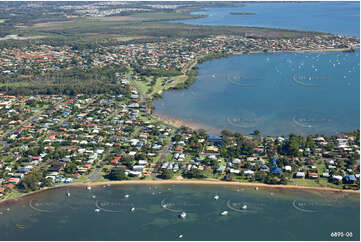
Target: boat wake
<point>106,210</point>
<point>164,205</point>
<point>38,209</point>
<point>301,209</point>
<point>236,209</point>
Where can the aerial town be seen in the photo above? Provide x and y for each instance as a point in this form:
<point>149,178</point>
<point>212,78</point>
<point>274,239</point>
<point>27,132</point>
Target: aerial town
<point>54,140</point>
<point>171,55</point>
<point>74,137</point>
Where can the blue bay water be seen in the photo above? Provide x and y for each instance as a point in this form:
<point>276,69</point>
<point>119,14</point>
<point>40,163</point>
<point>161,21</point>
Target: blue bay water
<point>271,214</point>
<point>331,17</point>
<point>278,93</point>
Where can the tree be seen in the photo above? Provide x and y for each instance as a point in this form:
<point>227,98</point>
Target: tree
<point>196,173</point>
<point>260,175</point>
<point>227,133</point>
<point>257,132</point>
<point>48,182</point>
<point>128,161</point>
<point>31,181</point>
<point>167,174</point>
<point>70,168</point>
<point>117,174</point>
<point>310,143</point>
<point>292,145</point>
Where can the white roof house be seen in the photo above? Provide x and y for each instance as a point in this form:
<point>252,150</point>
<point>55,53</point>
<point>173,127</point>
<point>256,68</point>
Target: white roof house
<point>337,177</point>
<point>300,174</point>
<point>288,168</point>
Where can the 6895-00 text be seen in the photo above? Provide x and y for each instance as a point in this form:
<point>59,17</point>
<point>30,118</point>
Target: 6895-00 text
<point>341,234</point>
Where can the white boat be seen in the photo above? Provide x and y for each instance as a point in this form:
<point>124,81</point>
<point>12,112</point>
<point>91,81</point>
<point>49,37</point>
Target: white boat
<point>126,195</point>
<point>244,207</point>
<point>68,194</point>
<point>216,197</point>
<point>257,188</point>
<point>180,236</point>
<point>183,215</point>
<point>93,196</point>
<point>132,209</point>
<point>97,210</point>
<point>214,76</point>
<point>88,188</point>
<point>224,213</point>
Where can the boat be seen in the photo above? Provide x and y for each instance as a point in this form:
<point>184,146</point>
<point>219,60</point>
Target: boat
<point>224,213</point>
<point>214,76</point>
<point>126,195</point>
<point>19,226</point>
<point>93,196</point>
<point>132,209</point>
<point>97,210</point>
<point>244,207</point>
<point>183,215</point>
<point>216,197</point>
<point>257,188</point>
<point>88,188</point>
<point>180,236</point>
<point>68,194</point>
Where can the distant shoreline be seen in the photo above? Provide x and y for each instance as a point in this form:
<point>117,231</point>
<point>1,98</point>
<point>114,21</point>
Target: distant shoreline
<point>180,182</point>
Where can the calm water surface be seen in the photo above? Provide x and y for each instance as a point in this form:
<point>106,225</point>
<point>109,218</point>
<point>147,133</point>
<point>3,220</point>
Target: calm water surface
<point>278,93</point>
<point>331,17</point>
<point>271,214</point>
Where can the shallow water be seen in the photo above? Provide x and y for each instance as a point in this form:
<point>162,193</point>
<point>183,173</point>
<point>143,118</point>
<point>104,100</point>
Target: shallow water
<point>280,214</point>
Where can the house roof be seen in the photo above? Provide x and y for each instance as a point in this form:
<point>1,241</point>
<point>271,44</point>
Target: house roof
<point>276,170</point>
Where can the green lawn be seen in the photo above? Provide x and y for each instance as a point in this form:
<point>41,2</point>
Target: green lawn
<point>14,84</point>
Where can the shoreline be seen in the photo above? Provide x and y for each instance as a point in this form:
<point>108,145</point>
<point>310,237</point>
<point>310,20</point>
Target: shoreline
<point>196,126</point>
<point>180,182</point>
<point>181,122</point>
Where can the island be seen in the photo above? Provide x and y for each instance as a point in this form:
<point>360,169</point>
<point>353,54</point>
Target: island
<point>242,13</point>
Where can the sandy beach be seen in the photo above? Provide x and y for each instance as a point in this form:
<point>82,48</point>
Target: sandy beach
<point>223,183</point>
<point>180,122</point>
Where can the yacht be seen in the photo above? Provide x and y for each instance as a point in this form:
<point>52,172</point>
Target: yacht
<point>126,195</point>
<point>224,213</point>
<point>244,207</point>
<point>183,215</point>
<point>88,188</point>
<point>97,210</point>
<point>132,209</point>
<point>216,197</point>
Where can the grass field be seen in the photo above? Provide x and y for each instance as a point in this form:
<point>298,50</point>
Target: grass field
<point>14,84</point>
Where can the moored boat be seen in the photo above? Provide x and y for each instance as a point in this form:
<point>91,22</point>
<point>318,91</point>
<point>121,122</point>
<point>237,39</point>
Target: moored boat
<point>224,213</point>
